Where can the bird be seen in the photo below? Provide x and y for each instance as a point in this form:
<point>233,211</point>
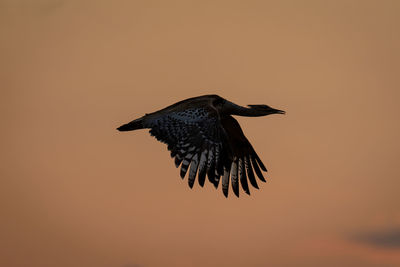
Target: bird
<point>206,140</point>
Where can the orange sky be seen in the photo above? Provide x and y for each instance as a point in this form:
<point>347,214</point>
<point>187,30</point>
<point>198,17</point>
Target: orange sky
<point>75,192</point>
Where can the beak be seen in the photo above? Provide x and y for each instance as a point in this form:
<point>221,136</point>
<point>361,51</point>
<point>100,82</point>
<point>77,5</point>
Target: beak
<point>277,111</point>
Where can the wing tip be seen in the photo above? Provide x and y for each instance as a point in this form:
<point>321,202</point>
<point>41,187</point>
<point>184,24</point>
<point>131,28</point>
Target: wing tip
<point>182,173</point>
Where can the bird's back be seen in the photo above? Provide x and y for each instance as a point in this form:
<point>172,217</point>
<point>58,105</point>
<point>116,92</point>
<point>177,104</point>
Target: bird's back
<point>190,104</point>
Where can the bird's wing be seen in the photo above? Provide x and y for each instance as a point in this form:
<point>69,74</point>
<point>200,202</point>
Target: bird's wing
<point>196,140</point>
<point>206,145</point>
<point>243,159</point>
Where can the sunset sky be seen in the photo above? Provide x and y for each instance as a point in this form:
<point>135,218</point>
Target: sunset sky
<point>76,192</point>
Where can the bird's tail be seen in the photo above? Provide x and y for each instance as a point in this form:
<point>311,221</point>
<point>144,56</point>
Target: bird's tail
<point>133,125</point>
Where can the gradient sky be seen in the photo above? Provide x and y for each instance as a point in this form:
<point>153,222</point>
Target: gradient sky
<point>75,192</point>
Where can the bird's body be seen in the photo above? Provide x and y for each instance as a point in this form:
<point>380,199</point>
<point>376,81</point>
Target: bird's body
<point>201,132</point>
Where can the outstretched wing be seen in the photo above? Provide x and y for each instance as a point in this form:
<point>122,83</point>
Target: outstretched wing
<point>196,141</point>
<point>243,159</point>
<point>203,144</point>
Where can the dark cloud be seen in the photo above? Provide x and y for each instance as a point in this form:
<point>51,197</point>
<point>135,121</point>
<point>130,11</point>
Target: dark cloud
<point>385,238</point>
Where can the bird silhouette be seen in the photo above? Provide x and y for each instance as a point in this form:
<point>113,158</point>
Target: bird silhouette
<point>206,140</point>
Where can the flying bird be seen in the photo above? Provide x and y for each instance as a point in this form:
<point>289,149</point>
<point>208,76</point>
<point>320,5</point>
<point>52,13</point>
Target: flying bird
<point>206,140</point>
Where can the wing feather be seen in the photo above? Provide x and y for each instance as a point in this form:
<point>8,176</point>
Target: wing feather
<point>257,169</point>
<point>225,181</point>
<point>193,170</point>
<point>185,164</point>
<point>242,175</point>
<point>203,167</point>
<point>234,177</point>
<point>250,173</point>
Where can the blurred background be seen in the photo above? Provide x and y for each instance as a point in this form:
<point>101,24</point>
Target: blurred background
<point>75,192</point>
